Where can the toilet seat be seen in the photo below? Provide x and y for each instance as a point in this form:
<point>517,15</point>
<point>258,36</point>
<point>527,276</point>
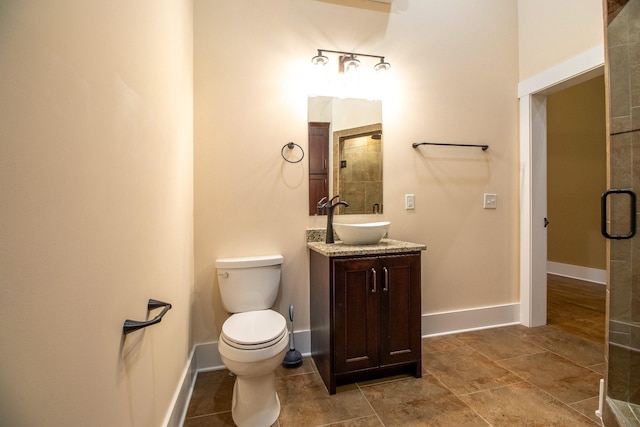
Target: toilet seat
<point>254,330</point>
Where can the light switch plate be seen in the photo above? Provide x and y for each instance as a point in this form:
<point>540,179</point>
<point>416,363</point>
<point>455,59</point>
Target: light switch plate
<point>409,201</point>
<point>490,201</point>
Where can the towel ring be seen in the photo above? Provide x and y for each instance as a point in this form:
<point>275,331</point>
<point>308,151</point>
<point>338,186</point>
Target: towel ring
<point>291,146</point>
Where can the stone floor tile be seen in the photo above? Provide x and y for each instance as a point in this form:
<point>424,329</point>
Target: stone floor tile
<point>509,376</point>
<point>222,419</point>
<point>579,350</point>
<point>440,343</point>
<point>498,344</point>
<point>522,331</point>
<point>523,404</point>
<point>464,370</point>
<point>306,402</point>
<point>212,393</point>
<point>600,368</point>
<point>307,366</point>
<point>588,408</point>
<point>419,401</point>
<point>371,421</point>
<point>556,375</point>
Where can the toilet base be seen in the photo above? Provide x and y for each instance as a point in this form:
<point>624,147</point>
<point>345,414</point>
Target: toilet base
<point>255,401</point>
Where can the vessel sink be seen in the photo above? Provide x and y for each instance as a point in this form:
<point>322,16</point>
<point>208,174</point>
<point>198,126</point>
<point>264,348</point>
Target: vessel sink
<point>361,234</point>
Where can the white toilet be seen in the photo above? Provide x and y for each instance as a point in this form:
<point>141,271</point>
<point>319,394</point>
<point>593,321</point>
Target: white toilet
<point>254,340</point>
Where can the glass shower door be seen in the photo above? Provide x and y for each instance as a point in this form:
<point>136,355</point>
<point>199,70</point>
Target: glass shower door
<point>619,206</point>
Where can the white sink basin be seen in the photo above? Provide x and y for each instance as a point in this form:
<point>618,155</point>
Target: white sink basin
<point>361,234</point>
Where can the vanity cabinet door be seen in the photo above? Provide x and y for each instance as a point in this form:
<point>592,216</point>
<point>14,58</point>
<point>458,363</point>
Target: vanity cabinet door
<point>400,312</point>
<point>357,313</point>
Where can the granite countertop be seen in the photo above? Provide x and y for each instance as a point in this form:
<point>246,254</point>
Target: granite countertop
<point>385,246</point>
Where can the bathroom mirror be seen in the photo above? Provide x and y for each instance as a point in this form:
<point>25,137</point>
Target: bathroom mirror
<point>345,153</point>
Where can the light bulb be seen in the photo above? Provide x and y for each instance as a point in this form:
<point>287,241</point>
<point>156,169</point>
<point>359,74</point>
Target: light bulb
<point>320,59</point>
<point>382,66</point>
<point>351,64</point>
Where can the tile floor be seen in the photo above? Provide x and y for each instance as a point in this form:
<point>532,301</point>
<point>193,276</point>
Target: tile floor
<point>509,376</point>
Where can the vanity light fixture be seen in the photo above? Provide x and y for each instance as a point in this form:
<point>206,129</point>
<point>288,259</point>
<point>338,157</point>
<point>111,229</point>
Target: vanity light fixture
<point>348,61</point>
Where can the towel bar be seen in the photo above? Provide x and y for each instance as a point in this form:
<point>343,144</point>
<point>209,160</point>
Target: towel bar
<point>134,325</point>
<point>416,144</point>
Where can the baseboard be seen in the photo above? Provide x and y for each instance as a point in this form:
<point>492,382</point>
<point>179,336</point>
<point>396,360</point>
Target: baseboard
<point>208,358</point>
<point>585,274</point>
<point>434,324</point>
<point>180,402</point>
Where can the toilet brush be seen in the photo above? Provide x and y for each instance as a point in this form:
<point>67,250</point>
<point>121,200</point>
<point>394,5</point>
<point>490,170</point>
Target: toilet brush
<point>293,358</point>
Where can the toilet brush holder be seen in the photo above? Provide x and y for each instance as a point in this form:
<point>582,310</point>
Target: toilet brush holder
<point>293,358</point>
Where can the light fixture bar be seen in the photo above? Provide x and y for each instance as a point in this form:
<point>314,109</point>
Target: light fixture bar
<point>350,53</point>
<point>348,60</point>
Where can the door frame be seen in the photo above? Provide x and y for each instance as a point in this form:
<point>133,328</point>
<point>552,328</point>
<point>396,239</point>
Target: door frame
<point>532,95</point>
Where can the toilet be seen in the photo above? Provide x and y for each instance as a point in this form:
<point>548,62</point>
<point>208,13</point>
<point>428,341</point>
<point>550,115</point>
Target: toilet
<point>254,339</point>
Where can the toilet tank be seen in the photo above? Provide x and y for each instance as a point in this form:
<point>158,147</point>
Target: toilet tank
<point>249,283</point>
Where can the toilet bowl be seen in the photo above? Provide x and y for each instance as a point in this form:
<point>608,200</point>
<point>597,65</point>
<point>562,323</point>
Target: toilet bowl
<point>252,345</point>
<point>254,339</point>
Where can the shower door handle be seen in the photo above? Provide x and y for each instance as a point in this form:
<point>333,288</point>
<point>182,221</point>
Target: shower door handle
<point>604,210</point>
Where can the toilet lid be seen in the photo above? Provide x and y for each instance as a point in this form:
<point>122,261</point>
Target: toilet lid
<point>254,328</point>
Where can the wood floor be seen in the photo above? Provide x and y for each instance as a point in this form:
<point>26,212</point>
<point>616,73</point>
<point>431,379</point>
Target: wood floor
<point>577,307</point>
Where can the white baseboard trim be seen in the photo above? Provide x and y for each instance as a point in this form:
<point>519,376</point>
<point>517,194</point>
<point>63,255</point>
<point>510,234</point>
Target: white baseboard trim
<point>208,358</point>
<point>180,402</point>
<point>586,274</point>
<point>444,323</point>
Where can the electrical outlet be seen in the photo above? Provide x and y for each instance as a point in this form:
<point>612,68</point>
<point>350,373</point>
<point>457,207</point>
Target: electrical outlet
<point>490,201</point>
<point>409,201</point>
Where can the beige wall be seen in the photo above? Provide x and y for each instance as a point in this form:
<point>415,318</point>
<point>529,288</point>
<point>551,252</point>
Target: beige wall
<point>455,74</point>
<point>576,174</point>
<point>553,31</point>
<point>96,194</point>
<point>97,162</point>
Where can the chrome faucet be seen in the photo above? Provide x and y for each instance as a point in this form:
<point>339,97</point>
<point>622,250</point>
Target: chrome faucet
<point>330,206</point>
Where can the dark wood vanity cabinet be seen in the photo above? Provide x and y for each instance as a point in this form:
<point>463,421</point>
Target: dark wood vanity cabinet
<point>365,316</point>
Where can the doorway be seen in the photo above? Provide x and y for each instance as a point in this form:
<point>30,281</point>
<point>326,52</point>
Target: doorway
<point>533,95</point>
<point>576,178</point>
